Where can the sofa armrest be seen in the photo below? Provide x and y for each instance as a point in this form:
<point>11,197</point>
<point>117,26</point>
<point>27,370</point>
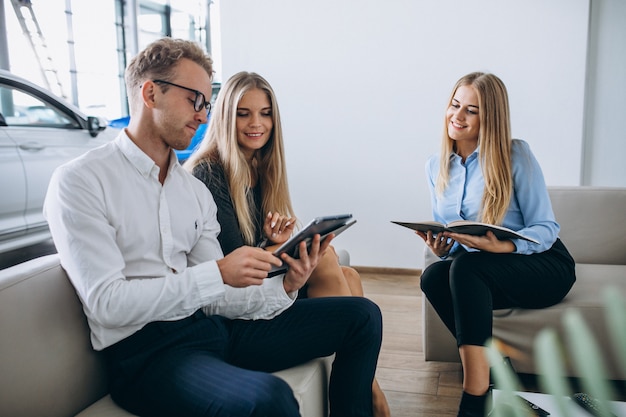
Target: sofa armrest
<point>344,257</point>
<point>47,364</point>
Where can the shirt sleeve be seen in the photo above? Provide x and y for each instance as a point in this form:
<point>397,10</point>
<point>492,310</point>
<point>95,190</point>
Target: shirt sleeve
<point>76,210</point>
<point>254,302</point>
<point>533,200</point>
<point>214,178</point>
<point>432,171</point>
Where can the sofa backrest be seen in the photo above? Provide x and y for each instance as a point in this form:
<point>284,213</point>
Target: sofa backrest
<point>47,365</point>
<point>592,222</point>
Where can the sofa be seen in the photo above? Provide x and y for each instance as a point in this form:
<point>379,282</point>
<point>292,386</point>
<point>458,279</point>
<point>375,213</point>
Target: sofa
<point>48,367</point>
<point>592,221</point>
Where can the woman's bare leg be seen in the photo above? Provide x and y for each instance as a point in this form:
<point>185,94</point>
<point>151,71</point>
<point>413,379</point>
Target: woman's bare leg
<point>353,279</point>
<point>327,279</point>
<point>475,369</point>
<point>475,381</point>
<point>381,407</point>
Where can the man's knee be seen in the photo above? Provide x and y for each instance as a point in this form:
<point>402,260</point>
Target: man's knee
<point>272,396</point>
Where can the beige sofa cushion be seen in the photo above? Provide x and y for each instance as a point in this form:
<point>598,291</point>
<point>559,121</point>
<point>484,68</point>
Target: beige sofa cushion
<point>48,367</point>
<point>105,407</point>
<point>591,220</point>
<point>519,327</point>
<point>309,382</point>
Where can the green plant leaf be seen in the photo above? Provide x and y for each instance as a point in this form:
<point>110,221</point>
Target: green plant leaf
<point>616,317</point>
<point>588,360</point>
<point>506,405</point>
<point>549,360</point>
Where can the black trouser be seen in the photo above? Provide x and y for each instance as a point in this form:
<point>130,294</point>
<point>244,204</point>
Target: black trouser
<point>464,291</point>
<point>213,366</point>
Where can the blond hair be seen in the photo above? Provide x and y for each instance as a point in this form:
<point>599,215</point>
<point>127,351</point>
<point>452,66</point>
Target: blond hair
<point>220,145</point>
<point>494,145</point>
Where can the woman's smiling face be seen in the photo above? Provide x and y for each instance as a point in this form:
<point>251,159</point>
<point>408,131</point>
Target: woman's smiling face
<point>254,121</point>
<point>463,116</point>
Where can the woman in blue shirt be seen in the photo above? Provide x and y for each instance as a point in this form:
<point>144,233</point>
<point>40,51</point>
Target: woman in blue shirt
<point>482,174</point>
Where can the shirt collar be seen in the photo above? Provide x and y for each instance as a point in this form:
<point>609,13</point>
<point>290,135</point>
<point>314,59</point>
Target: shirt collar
<point>142,162</point>
<point>456,157</point>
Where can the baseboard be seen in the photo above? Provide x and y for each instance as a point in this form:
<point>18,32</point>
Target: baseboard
<point>385,270</point>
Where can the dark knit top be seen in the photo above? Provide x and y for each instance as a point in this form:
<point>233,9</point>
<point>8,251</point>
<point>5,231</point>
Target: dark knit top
<point>230,237</point>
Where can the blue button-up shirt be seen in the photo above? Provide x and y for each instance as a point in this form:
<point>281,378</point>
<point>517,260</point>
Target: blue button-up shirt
<point>530,210</point>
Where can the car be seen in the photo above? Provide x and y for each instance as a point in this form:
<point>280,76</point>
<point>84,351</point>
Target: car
<point>183,154</point>
<point>38,132</point>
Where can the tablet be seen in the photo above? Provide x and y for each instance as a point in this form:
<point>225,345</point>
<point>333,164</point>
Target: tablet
<point>323,226</point>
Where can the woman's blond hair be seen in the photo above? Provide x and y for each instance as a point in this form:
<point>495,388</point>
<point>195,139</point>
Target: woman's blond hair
<point>220,145</point>
<point>494,145</point>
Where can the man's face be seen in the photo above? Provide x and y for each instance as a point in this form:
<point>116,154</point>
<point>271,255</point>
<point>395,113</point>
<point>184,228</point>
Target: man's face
<point>176,114</point>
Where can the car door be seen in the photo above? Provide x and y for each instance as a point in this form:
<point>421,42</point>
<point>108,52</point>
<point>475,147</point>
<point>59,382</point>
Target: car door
<point>12,189</point>
<point>46,137</point>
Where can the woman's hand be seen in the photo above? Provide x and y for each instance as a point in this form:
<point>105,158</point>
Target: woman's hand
<point>487,243</point>
<point>439,244</point>
<point>278,228</point>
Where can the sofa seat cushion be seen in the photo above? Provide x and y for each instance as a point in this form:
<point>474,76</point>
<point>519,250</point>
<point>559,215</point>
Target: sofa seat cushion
<point>308,381</point>
<point>104,407</point>
<point>519,327</point>
<point>47,366</point>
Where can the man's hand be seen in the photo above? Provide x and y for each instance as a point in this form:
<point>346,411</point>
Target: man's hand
<point>300,269</point>
<point>246,266</point>
<point>278,228</point>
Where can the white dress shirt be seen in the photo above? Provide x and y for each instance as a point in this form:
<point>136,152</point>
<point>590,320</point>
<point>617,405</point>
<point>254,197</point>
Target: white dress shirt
<point>137,251</point>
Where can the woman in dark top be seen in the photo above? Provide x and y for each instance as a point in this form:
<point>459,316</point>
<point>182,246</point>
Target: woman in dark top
<point>242,162</point>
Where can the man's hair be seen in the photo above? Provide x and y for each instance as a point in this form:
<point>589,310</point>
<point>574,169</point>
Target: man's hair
<point>158,60</point>
<point>220,145</point>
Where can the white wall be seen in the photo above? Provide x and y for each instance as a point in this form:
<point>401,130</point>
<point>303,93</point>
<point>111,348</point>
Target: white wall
<point>605,138</point>
<point>362,86</point>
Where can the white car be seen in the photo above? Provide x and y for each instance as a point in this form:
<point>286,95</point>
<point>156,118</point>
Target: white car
<point>38,132</point>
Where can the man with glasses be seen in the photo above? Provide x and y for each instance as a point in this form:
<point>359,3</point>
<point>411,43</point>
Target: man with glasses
<point>185,330</point>
<point>198,102</point>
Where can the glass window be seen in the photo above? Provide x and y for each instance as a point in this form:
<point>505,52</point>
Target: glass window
<point>21,109</point>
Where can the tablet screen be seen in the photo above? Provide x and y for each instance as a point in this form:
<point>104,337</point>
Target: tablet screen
<point>319,225</point>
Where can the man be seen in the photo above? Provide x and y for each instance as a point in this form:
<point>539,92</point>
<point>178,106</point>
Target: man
<point>185,330</point>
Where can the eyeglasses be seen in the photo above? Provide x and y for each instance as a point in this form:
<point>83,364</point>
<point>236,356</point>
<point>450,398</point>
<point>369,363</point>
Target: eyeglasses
<point>198,103</point>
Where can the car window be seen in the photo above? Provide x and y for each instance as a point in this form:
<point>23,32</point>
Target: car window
<point>21,109</point>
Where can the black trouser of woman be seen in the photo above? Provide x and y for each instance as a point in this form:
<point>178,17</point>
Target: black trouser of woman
<point>213,366</point>
<point>465,290</point>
